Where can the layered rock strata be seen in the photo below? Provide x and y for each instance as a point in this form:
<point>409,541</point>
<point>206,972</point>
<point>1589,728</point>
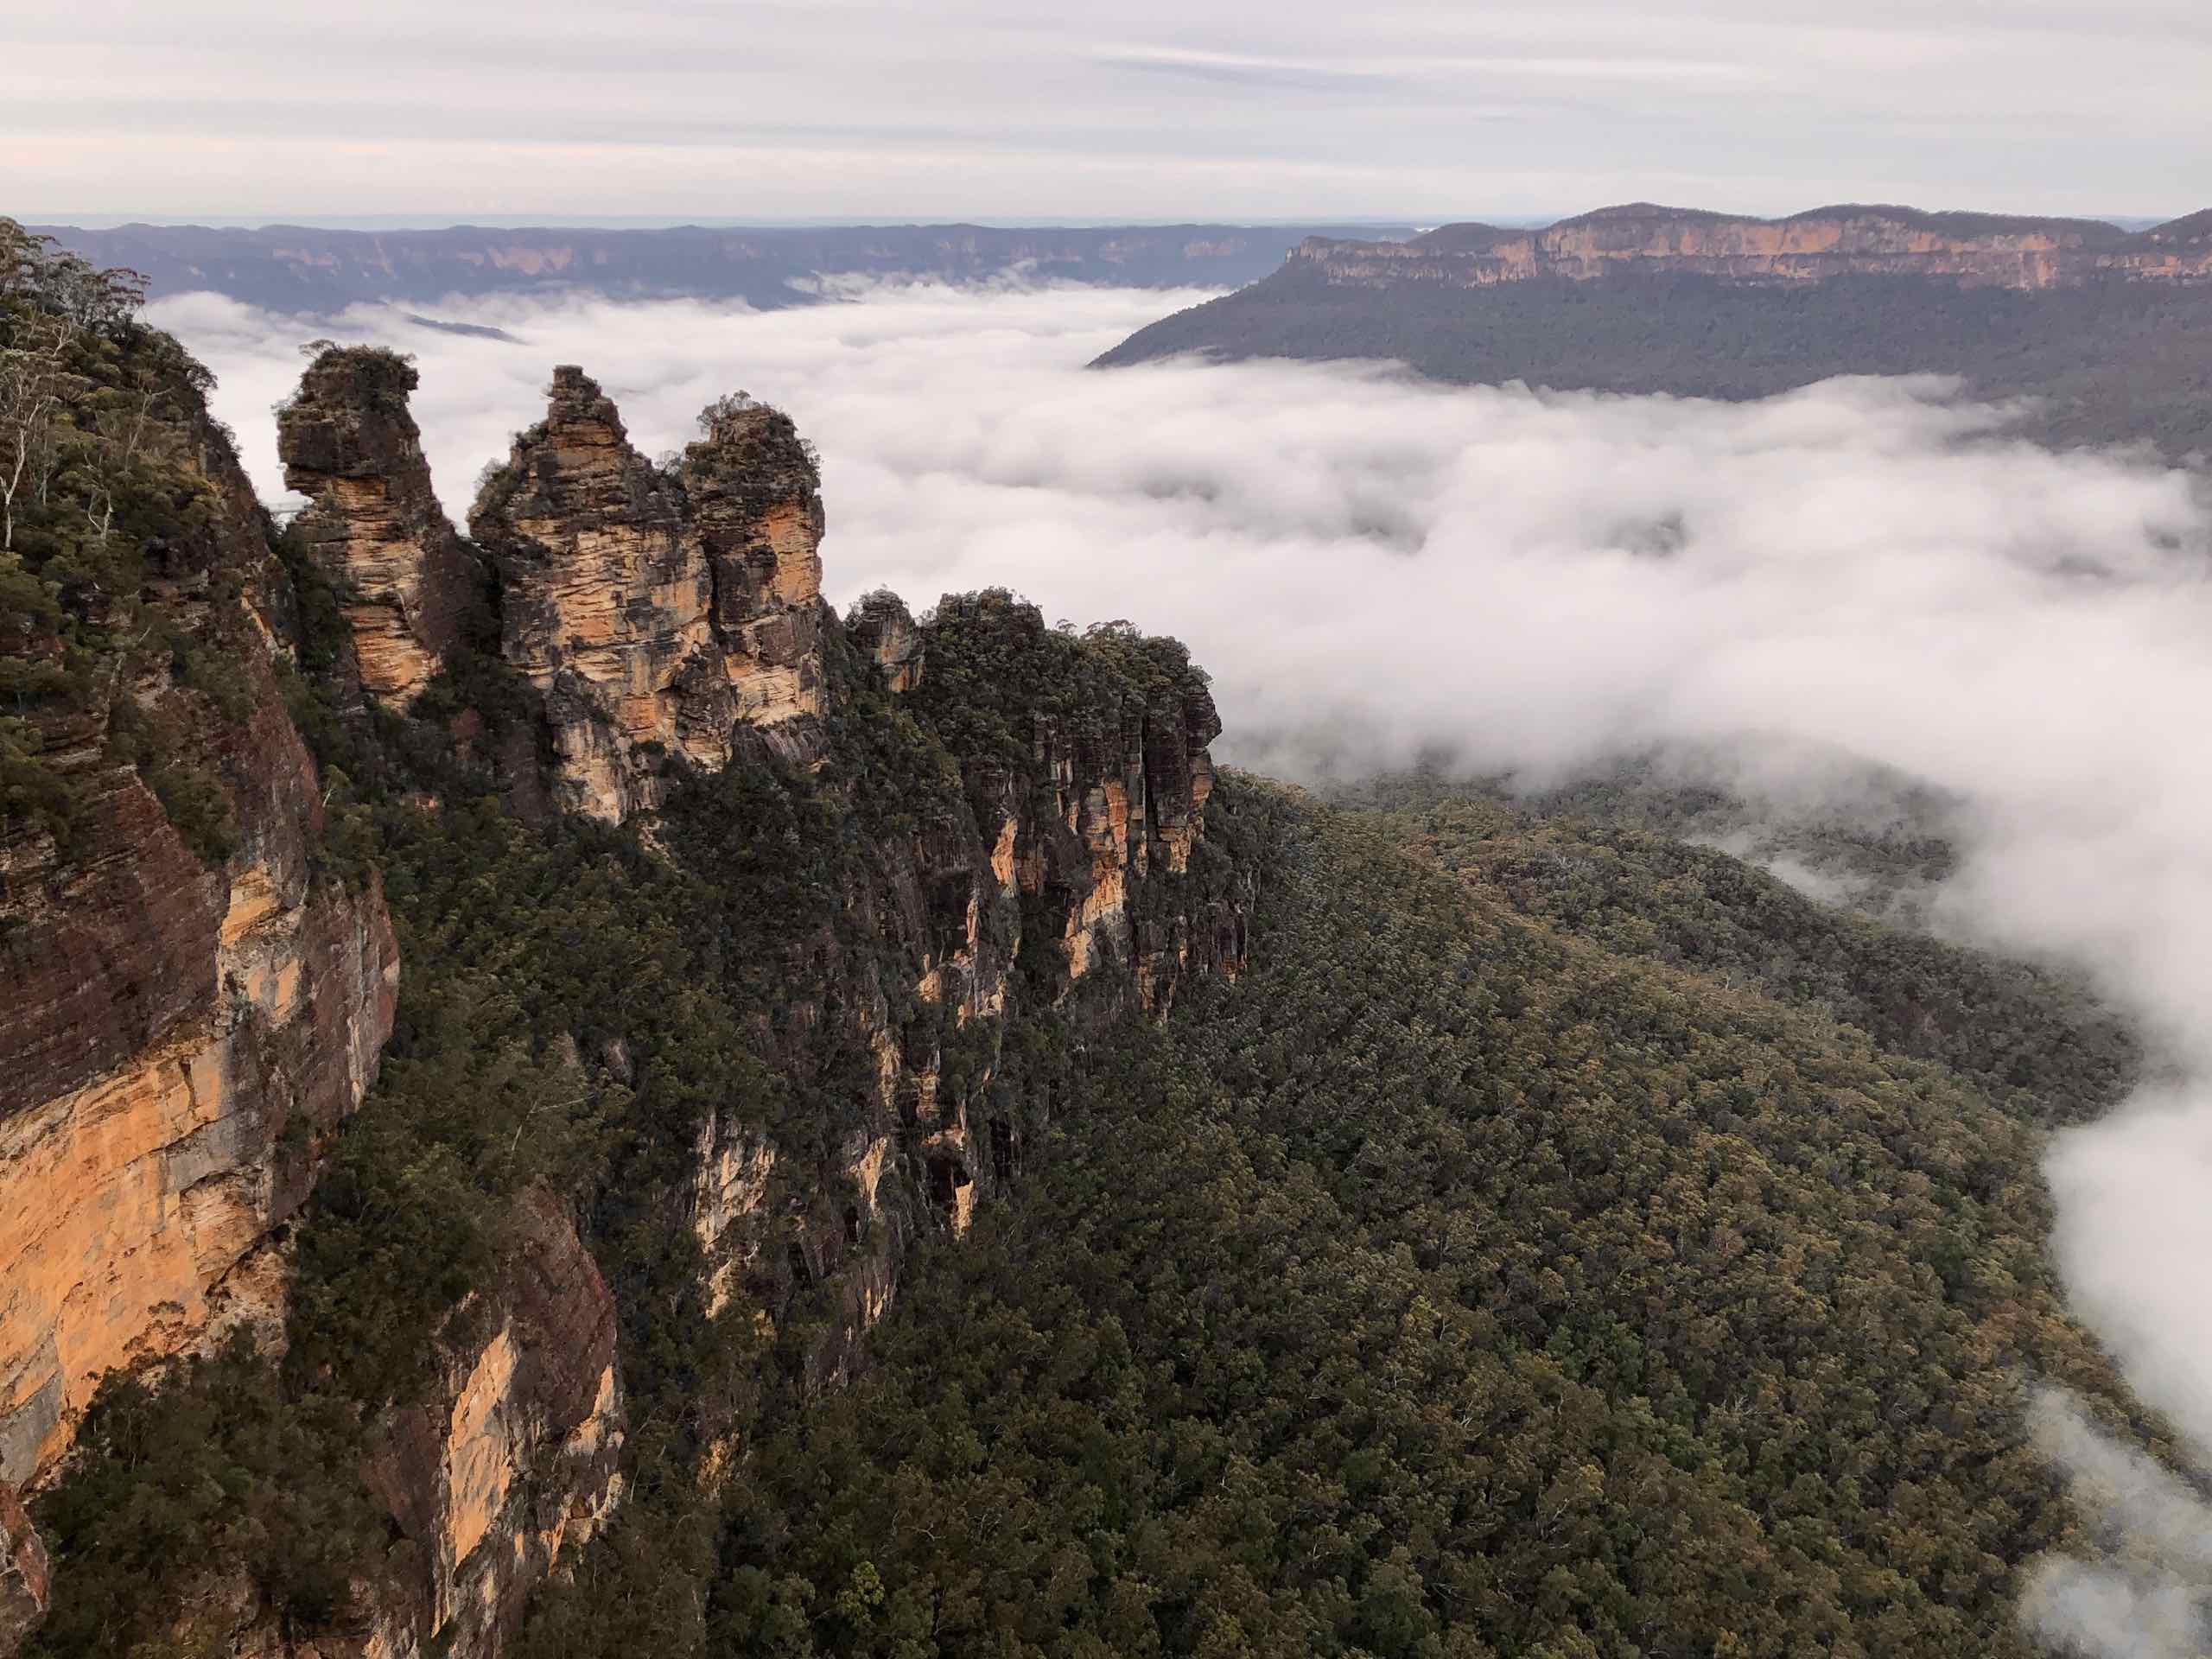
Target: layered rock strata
<point>186,1029</point>
<point>516,1451</point>
<point>656,612</point>
<point>1975,249</point>
<point>177,1035</point>
<point>404,578</point>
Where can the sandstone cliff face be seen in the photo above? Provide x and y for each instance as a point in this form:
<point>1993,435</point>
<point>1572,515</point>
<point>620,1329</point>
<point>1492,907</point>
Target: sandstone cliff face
<point>1976,249</point>
<point>178,1033</point>
<point>404,576</point>
<point>674,614</point>
<point>884,629</point>
<point>517,1452</point>
<point>1070,850</point>
<point>654,612</point>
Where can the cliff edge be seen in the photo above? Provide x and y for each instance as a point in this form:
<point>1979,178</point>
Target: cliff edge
<point>748,947</point>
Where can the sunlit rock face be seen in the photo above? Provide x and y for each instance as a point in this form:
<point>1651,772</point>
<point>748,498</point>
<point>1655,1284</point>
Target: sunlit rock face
<point>513,1451</point>
<point>134,1206</point>
<point>404,578</point>
<point>179,1033</point>
<point>657,611</point>
<point>516,1452</point>
<point>1979,250</point>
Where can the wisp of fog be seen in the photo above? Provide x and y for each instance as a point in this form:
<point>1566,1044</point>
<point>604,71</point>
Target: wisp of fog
<point>1864,575</point>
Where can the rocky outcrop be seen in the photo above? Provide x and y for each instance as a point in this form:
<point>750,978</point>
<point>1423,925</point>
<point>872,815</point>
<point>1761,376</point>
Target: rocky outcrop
<point>1072,846</point>
<point>23,1577</point>
<point>884,631</point>
<point>404,578</point>
<point>134,1207</point>
<point>515,1453</point>
<point>655,612</point>
<point>1975,249</point>
<point>1006,821</point>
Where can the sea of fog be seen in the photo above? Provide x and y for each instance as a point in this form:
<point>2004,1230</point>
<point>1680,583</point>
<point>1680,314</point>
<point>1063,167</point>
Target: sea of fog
<point>1862,576</point>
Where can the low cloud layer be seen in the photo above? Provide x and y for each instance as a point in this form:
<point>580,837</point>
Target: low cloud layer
<point>1864,575</point>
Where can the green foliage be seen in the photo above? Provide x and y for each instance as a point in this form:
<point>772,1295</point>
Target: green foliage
<point>30,790</point>
<point>154,740</point>
<point>2016,1032</point>
<point>1449,1285</point>
<point>1558,1241</point>
<point>107,514</point>
<point>168,1488</point>
<point>995,674</point>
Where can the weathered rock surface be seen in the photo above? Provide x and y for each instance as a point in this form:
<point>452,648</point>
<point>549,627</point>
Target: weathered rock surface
<point>404,577</point>
<point>23,1579</point>
<point>188,1005</point>
<point>175,1036</point>
<point>2091,335</point>
<point>1072,852</point>
<point>885,632</point>
<point>657,612</point>
<point>517,1452</point>
<point>1976,249</point>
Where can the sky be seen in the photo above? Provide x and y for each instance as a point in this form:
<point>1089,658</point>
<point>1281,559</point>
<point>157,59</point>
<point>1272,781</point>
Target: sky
<point>439,110</point>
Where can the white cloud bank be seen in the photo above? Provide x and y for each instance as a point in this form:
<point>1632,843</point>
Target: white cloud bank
<point>1864,569</point>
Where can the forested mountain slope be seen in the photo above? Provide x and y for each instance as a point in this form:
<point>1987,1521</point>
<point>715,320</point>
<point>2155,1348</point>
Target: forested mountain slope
<point>724,926</point>
<point>2021,1035</point>
<point>1448,1284</point>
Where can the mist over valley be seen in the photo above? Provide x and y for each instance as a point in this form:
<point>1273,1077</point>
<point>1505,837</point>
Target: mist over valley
<point>990,832</point>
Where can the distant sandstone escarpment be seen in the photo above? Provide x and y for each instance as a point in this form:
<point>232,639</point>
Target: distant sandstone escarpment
<point>1977,248</point>
<point>303,269</point>
<point>2109,332</point>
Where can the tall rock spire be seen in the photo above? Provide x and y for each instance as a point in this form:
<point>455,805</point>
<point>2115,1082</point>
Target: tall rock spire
<point>405,577</point>
<point>657,611</point>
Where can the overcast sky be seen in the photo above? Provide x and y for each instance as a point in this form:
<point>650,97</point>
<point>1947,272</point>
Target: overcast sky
<point>1120,109</point>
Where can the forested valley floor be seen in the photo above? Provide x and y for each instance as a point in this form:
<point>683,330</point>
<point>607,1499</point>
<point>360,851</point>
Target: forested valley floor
<point>1554,1253</point>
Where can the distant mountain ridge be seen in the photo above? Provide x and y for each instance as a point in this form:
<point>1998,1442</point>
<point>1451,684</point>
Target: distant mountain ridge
<point>2005,250</point>
<point>2108,331</point>
<point>295,267</point>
